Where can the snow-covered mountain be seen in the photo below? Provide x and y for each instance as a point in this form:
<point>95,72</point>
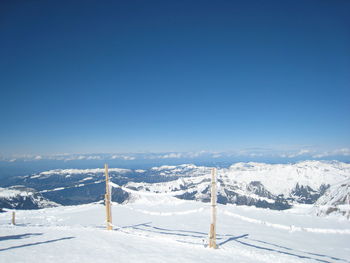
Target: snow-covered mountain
<point>198,188</point>
<point>281,178</point>
<point>20,197</point>
<point>275,186</point>
<point>335,200</point>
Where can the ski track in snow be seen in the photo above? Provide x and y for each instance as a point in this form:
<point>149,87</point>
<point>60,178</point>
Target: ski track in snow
<point>290,228</point>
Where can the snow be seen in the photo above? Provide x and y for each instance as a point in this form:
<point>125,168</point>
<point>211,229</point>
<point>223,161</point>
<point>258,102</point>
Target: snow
<point>164,167</point>
<point>35,176</point>
<point>337,194</point>
<point>10,193</point>
<point>143,193</point>
<point>335,200</point>
<point>81,171</point>
<point>19,195</point>
<point>68,187</point>
<point>156,227</point>
<point>276,178</point>
<point>166,229</point>
<point>281,178</point>
<point>178,169</point>
<point>86,179</point>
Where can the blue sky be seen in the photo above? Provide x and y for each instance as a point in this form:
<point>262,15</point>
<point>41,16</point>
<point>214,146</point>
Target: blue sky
<point>174,76</point>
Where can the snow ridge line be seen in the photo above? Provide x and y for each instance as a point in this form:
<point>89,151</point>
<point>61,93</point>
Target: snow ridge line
<point>169,213</point>
<point>74,186</point>
<point>290,228</point>
<point>143,192</point>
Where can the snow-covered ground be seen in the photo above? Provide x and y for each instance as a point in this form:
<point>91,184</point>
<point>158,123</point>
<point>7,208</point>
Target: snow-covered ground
<point>165,229</point>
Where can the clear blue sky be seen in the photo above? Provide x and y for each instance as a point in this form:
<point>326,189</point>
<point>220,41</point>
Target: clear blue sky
<point>128,76</point>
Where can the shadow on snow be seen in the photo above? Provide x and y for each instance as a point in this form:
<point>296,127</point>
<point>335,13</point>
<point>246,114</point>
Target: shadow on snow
<point>309,253</point>
<point>19,236</point>
<point>231,238</point>
<point>36,243</point>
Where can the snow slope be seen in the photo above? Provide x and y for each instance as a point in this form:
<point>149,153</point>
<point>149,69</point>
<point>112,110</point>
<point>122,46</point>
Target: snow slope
<point>281,178</point>
<point>20,197</point>
<point>274,186</point>
<point>335,200</point>
<point>166,229</point>
<point>276,178</point>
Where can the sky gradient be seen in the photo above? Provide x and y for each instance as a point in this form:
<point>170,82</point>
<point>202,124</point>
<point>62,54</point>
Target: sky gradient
<point>163,76</point>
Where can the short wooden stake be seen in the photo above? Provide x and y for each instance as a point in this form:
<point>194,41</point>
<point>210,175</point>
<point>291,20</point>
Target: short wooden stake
<point>13,217</point>
<point>212,233</point>
<point>108,201</point>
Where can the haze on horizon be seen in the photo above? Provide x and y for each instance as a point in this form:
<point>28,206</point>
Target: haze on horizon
<point>174,76</point>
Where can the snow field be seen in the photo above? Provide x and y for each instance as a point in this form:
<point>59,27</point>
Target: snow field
<point>165,229</point>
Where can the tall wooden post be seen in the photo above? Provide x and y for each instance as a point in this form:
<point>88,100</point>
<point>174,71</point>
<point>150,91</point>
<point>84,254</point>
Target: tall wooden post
<point>13,217</point>
<point>212,233</point>
<point>108,201</point>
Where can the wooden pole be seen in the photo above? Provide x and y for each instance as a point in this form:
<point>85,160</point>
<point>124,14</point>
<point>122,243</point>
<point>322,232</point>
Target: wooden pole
<point>212,233</point>
<point>108,201</point>
<point>13,217</point>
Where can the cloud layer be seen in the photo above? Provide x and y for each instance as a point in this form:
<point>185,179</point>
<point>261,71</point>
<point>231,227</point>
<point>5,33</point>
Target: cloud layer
<point>246,154</point>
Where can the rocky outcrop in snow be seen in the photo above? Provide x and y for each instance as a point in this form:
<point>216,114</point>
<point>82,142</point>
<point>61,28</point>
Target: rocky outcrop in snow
<point>20,197</point>
<point>306,195</point>
<point>335,201</point>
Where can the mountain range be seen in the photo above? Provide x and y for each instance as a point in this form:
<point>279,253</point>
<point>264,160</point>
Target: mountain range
<point>273,186</point>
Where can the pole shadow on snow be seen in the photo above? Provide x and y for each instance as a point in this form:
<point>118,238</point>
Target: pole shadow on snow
<point>36,243</point>
<point>137,225</point>
<point>230,238</point>
<point>286,253</point>
<point>309,253</point>
<point>172,232</point>
<point>123,227</point>
<point>177,232</point>
<point>2,238</point>
<point>165,231</point>
<point>158,231</point>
